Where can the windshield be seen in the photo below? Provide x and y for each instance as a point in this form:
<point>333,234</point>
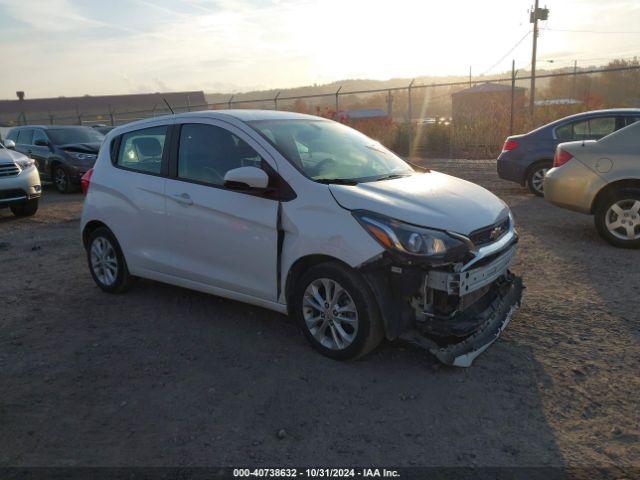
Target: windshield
<point>329,151</point>
<point>63,136</point>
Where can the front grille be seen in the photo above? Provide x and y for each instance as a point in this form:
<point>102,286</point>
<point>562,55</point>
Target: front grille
<point>9,170</point>
<point>484,236</point>
<point>14,193</point>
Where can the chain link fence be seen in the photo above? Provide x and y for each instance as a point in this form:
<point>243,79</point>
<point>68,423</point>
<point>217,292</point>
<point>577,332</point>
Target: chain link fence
<point>464,119</point>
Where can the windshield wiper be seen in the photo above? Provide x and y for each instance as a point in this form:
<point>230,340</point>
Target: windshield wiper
<point>337,181</point>
<point>391,176</point>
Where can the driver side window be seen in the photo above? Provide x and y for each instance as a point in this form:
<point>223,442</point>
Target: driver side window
<point>207,153</point>
<point>142,150</point>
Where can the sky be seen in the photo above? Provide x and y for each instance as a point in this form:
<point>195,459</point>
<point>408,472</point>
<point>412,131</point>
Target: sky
<point>78,47</point>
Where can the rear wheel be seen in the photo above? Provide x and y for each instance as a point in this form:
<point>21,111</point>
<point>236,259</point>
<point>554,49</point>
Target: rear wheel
<point>617,218</point>
<point>106,262</point>
<point>25,209</point>
<point>337,311</point>
<point>535,178</point>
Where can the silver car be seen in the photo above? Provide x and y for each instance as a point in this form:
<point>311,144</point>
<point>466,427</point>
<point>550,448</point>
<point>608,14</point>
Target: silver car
<point>20,186</point>
<point>601,178</point>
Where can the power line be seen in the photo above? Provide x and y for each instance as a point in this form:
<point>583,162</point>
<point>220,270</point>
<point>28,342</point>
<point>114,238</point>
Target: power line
<point>637,32</point>
<point>507,54</point>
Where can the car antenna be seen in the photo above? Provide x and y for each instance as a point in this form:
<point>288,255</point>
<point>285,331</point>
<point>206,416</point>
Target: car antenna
<point>167,104</point>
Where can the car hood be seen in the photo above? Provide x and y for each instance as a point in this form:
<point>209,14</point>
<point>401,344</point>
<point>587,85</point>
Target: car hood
<point>82,147</point>
<point>9,156</point>
<point>429,199</point>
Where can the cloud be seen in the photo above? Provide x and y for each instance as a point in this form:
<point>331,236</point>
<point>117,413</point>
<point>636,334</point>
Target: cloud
<point>52,16</point>
<point>234,45</point>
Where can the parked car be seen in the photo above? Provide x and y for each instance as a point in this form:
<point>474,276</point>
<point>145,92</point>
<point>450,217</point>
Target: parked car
<point>62,153</point>
<point>20,186</point>
<point>304,216</point>
<point>526,158</point>
<point>601,178</point>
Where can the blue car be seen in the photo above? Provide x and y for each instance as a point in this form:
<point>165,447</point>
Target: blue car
<point>526,158</point>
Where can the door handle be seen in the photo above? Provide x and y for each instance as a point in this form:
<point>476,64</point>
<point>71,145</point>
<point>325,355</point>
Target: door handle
<point>182,198</point>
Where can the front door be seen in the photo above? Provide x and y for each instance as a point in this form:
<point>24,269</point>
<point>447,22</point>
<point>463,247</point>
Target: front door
<point>41,153</point>
<point>219,236</point>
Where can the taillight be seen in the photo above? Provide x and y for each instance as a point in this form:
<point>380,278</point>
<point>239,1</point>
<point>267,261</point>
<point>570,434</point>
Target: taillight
<point>85,181</point>
<point>561,157</point>
<point>510,145</point>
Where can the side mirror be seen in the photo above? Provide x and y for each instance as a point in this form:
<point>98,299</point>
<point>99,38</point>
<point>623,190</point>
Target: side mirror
<point>10,144</point>
<point>41,143</point>
<point>246,177</point>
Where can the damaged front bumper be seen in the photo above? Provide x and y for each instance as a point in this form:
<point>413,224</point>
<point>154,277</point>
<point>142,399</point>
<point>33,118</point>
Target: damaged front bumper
<point>453,311</point>
<point>491,322</point>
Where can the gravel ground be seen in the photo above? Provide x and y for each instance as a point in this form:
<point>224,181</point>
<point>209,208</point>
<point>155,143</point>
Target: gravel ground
<point>166,376</point>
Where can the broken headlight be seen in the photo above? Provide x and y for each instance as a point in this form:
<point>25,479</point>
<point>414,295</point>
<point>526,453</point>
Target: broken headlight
<point>411,239</point>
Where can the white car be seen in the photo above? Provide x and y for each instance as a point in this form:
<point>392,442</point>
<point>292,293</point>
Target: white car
<point>308,217</point>
<point>20,186</point>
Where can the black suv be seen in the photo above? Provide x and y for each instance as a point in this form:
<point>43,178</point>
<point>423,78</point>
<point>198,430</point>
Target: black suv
<point>62,153</point>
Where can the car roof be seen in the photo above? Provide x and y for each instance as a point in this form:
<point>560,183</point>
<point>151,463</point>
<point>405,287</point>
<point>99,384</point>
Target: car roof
<point>47,127</point>
<point>589,114</point>
<point>237,115</point>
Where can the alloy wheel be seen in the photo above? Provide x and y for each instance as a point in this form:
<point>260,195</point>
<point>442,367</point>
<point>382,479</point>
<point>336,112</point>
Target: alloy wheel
<point>537,179</point>
<point>330,314</point>
<point>61,179</point>
<point>104,261</point>
<point>623,219</point>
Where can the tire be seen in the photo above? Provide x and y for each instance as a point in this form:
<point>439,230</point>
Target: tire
<point>106,262</point>
<point>535,178</point>
<point>622,208</point>
<point>322,327</point>
<point>61,180</point>
<point>25,209</point>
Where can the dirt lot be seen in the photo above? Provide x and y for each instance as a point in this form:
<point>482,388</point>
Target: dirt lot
<point>166,376</point>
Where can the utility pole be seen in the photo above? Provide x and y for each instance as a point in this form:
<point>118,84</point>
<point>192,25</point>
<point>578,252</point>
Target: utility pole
<point>469,76</point>
<point>410,115</point>
<point>575,74</point>
<point>513,94</point>
<point>536,14</point>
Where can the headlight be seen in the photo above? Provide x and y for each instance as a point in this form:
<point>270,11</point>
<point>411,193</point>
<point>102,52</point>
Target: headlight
<point>410,239</point>
<point>81,156</point>
<point>25,162</point>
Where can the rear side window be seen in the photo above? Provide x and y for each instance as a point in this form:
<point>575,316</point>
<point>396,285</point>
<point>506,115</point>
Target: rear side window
<point>25,137</point>
<point>593,129</point>
<point>142,150</point>
<point>601,127</point>
<point>631,120</point>
<point>208,152</point>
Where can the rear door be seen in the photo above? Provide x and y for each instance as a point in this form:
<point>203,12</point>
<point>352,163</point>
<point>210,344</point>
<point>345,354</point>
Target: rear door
<point>219,236</point>
<point>132,191</point>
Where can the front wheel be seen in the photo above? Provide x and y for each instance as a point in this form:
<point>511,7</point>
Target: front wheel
<point>617,218</point>
<point>61,180</point>
<point>106,262</point>
<point>535,179</point>
<point>25,209</point>
<point>337,311</point>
